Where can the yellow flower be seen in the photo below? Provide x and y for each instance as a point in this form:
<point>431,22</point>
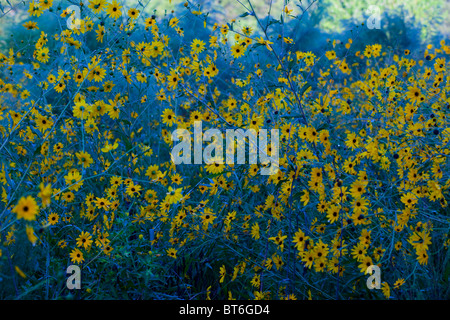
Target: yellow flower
<point>30,25</point>
<point>197,46</point>
<point>60,86</point>
<point>173,79</point>
<point>213,42</point>
<point>100,33</point>
<point>44,123</point>
<point>102,203</point>
<point>68,196</point>
<point>222,272</point>
<point>154,49</point>
<point>53,218</point>
<point>409,199</point>
<point>35,9</point>
<point>107,249</point>
<point>133,189</point>
<point>84,240</point>
<point>173,22</point>
<point>172,252</point>
<point>84,159</point>
<point>20,272</point>
<point>386,290</point>
<point>399,283</point>
<point>366,262</point>
<point>153,172</point>
<point>215,165</point>
<point>279,240</point>
<point>237,51</point>
<point>168,117</point>
<point>26,208</point>
<point>97,6</point>
<point>343,66</point>
<point>255,231</point>
<point>422,257</point>
<point>42,55</point>
<point>265,42</point>
<point>305,197</point>
<point>80,110</point>
<point>176,178</point>
<point>439,65</point>
<point>133,13</point>
<point>73,180</point>
<point>113,10</point>
<point>208,217</point>
<point>211,71</point>
<point>31,236</point>
<point>78,76</point>
<point>330,55</point>
<point>45,194</point>
<point>97,74</point>
<point>247,31</point>
<point>62,244</point>
<point>108,147</point>
<point>420,240</point>
<point>45,4</point>
<point>76,256</point>
<point>174,195</point>
<point>413,94</point>
<point>359,251</point>
<point>299,240</point>
<point>141,77</point>
<point>333,213</point>
<point>113,109</point>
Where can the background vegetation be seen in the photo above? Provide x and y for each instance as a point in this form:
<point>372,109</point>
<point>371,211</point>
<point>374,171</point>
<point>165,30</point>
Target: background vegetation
<point>343,96</point>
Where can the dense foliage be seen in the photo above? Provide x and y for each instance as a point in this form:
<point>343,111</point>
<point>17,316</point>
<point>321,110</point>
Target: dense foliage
<point>86,115</point>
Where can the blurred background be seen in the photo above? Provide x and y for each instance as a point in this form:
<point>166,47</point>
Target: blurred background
<point>403,24</point>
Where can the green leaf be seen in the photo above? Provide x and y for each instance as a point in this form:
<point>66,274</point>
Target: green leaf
<point>245,14</point>
<point>305,87</point>
<point>297,195</point>
<point>125,140</point>
<point>322,126</point>
<point>38,150</point>
<point>447,273</point>
<point>125,121</point>
<point>425,167</point>
<point>304,74</point>
<point>272,21</point>
<point>256,45</point>
<point>291,64</point>
<point>35,287</point>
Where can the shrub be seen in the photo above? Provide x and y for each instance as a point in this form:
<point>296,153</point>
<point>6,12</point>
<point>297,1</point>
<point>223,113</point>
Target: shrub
<point>87,178</point>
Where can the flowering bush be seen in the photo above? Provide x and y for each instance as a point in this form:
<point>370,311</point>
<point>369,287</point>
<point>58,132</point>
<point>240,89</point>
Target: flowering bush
<point>86,114</point>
